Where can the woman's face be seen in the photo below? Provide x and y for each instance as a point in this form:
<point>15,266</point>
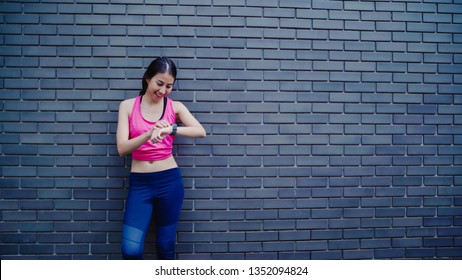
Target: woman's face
<point>160,85</point>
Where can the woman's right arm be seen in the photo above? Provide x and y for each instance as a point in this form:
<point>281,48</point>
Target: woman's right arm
<point>125,145</point>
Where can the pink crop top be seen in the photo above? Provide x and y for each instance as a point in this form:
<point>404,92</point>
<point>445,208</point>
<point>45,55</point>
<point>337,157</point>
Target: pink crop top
<point>139,125</point>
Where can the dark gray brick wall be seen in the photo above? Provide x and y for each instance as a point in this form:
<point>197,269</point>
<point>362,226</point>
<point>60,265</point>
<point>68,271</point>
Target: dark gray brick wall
<point>334,127</point>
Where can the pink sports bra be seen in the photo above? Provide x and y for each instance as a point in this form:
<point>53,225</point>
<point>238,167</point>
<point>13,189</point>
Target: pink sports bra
<point>139,125</point>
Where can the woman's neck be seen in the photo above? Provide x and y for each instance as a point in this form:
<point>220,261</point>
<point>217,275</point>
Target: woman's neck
<point>149,100</point>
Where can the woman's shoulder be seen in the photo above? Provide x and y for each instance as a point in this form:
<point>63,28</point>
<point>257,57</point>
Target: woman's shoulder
<point>127,103</point>
<point>177,106</point>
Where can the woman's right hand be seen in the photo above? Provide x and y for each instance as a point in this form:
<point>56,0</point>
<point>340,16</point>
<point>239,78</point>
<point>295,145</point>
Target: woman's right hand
<point>155,137</point>
<point>158,134</point>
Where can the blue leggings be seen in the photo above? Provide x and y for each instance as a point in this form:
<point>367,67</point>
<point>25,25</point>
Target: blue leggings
<point>159,194</point>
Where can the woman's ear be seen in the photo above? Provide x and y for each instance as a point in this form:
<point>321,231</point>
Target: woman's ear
<point>145,78</point>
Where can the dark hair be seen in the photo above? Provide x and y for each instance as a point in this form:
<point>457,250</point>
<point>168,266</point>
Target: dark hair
<point>159,65</point>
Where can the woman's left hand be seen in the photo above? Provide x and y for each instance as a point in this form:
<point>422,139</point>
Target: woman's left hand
<point>161,124</point>
<point>160,133</point>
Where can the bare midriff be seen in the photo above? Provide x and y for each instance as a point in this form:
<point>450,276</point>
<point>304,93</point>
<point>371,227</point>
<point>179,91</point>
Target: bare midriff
<point>142,166</point>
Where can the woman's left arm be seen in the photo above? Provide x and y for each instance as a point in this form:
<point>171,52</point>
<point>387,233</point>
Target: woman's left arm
<point>191,126</point>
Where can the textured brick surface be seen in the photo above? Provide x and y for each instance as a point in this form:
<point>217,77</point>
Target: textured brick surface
<point>334,127</point>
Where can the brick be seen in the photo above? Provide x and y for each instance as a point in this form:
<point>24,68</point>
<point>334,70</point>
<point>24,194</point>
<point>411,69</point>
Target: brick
<point>228,22</point>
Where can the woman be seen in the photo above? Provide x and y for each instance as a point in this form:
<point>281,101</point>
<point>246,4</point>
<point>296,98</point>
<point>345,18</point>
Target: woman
<point>146,129</point>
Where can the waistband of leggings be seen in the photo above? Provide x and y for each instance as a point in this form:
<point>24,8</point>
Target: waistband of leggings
<point>157,174</point>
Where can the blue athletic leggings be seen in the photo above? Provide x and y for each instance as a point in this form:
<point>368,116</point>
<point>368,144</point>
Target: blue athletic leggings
<point>159,194</point>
